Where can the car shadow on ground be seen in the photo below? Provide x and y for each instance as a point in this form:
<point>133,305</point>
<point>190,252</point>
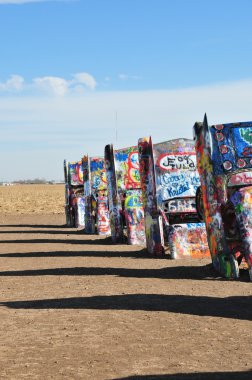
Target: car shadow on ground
<point>205,272</point>
<point>247,375</point>
<point>86,240</point>
<point>44,232</point>
<point>35,225</point>
<point>142,253</point>
<point>235,307</point>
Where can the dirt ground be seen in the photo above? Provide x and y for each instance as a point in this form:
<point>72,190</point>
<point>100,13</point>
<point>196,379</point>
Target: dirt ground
<point>74,306</point>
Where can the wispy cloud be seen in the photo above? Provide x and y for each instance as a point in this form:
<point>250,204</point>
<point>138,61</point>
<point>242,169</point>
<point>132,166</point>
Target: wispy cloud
<point>57,86</point>
<point>14,83</point>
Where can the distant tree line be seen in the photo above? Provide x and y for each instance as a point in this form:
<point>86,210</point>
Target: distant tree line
<point>32,181</point>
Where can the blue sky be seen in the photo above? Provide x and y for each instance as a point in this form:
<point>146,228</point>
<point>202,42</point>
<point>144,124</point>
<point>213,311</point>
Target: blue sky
<point>72,72</point>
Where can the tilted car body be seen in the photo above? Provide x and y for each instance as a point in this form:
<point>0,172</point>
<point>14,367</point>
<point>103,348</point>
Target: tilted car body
<point>169,182</point>
<point>95,193</point>
<point>74,198</point>
<point>125,195</point>
<point>224,158</point>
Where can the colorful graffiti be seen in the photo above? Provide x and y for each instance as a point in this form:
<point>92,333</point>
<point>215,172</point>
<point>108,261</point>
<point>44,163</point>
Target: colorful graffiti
<point>103,221</point>
<point>125,194</point>
<point>95,191</point>
<point>134,216</point>
<point>225,167</point>
<point>127,168</point>
<point>153,221</point>
<point>170,180</point>
<point>188,240</point>
<point>74,200</point>
<point>115,205</point>
<point>75,173</point>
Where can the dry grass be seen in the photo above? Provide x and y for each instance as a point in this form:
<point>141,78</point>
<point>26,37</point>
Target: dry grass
<point>32,199</point>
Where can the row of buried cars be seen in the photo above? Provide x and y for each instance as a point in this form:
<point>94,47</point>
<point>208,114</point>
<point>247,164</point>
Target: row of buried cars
<point>194,196</point>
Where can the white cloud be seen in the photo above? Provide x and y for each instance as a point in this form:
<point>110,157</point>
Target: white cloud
<point>52,85</point>
<point>14,83</point>
<point>68,127</point>
<point>55,85</point>
<point>84,78</point>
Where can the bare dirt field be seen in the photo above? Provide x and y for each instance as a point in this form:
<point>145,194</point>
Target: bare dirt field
<point>74,306</point>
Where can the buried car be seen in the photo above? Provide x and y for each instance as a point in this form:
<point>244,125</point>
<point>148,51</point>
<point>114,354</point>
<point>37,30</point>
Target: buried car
<point>95,195</point>
<point>224,200</point>
<point>74,199</point>
<point>169,181</point>
<point>125,195</point>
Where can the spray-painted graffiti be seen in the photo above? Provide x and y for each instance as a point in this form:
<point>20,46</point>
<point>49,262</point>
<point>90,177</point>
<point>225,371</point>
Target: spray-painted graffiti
<point>73,175</point>
<point>243,178</point>
<point>174,180</point>
<point>188,240</point>
<point>177,162</point>
<point>95,191</point>
<point>180,205</point>
<point>225,171</point>
<point>115,206</point>
<point>103,223</point>
<point>80,212</point>
<point>98,174</point>
<point>125,196</point>
<point>174,185</point>
<point>153,222</point>
<point>134,215</point>
<point>127,168</point>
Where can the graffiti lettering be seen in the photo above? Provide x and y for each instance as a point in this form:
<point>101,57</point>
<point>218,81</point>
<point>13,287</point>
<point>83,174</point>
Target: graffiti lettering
<point>177,162</point>
<point>182,205</point>
<point>244,178</point>
<point>178,189</point>
<point>166,178</point>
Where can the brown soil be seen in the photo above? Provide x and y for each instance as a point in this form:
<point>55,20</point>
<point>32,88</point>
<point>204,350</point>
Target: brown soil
<point>74,306</point>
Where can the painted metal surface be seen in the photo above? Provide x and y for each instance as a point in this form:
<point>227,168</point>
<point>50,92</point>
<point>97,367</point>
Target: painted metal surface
<point>80,212</point>
<point>224,159</point>
<point>74,198</point>
<point>95,192</point>
<point>125,195</point>
<point>75,173</point>
<point>67,194</point>
<point>134,217</point>
<point>188,240</point>
<point>153,221</point>
<point>115,205</point>
<point>170,180</point>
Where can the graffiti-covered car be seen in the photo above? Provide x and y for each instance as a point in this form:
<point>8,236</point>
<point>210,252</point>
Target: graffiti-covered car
<point>224,159</point>
<point>125,194</point>
<point>95,195</point>
<point>74,199</point>
<point>169,182</point>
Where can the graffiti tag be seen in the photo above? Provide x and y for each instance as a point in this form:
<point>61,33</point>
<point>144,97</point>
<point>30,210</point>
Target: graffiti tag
<point>177,162</point>
<point>182,205</point>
